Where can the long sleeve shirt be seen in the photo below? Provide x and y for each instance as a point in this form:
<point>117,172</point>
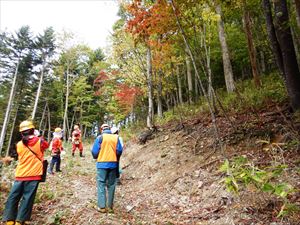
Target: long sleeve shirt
<point>97,148</point>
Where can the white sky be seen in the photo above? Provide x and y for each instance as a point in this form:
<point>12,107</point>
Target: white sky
<point>90,20</point>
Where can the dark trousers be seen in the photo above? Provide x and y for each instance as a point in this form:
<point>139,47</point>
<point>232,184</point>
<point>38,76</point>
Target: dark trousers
<point>55,161</point>
<point>22,192</point>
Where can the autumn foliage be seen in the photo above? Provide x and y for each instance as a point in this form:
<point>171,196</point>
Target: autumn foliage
<point>147,22</point>
<point>126,96</point>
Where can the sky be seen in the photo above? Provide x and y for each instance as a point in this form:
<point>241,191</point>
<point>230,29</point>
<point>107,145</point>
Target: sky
<point>90,20</point>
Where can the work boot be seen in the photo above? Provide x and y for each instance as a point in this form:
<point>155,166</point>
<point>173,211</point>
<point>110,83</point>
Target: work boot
<point>10,222</point>
<point>73,154</point>
<point>22,223</point>
<point>110,210</point>
<point>102,210</point>
<point>80,154</point>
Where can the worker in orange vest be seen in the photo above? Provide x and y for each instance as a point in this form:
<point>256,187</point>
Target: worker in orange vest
<point>76,141</point>
<point>56,149</point>
<point>30,152</point>
<point>107,149</point>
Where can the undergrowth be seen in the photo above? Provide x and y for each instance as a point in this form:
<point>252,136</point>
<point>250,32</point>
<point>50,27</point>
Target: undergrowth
<point>240,173</point>
<point>246,97</point>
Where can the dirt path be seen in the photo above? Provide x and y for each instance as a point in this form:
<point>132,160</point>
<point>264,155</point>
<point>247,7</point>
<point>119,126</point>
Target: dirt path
<point>70,197</point>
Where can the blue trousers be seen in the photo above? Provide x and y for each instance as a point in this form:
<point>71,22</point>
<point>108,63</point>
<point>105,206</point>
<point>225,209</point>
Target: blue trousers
<point>22,192</point>
<point>55,160</point>
<point>106,181</point>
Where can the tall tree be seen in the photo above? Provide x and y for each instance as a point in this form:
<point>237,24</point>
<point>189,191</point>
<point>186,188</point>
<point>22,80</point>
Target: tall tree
<point>291,69</point>
<point>45,47</point>
<point>251,47</point>
<point>272,36</point>
<point>17,47</point>
<point>179,85</point>
<point>228,74</point>
<point>150,89</point>
<point>189,77</point>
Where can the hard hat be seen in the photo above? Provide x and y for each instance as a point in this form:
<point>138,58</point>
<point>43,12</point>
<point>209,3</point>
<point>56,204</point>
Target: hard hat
<point>104,126</point>
<point>57,130</point>
<point>114,130</point>
<point>76,127</point>
<point>26,125</point>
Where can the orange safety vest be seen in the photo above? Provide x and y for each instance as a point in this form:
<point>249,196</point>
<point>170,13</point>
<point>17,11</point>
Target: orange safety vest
<point>108,149</point>
<point>29,165</point>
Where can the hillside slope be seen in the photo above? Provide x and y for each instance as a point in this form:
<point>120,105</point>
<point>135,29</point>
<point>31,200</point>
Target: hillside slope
<point>175,179</point>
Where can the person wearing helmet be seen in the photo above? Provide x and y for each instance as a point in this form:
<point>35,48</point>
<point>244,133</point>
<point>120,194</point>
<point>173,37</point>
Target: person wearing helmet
<point>106,149</point>
<point>30,152</point>
<point>115,130</point>
<point>56,149</point>
<point>76,141</point>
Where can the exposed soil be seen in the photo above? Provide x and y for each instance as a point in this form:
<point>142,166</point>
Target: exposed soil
<point>174,178</point>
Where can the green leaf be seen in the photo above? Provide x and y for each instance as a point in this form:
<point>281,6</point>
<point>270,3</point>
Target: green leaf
<point>257,179</point>
<point>267,187</point>
<point>225,166</point>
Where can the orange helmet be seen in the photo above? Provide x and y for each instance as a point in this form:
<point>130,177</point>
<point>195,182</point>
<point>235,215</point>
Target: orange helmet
<point>26,125</point>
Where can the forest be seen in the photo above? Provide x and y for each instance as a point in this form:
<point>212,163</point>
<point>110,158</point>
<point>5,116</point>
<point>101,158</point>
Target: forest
<point>227,65</point>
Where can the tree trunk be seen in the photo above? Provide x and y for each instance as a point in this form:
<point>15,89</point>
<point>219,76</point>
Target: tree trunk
<point>150,89</point>
<point>168,101</point>
<point>49,124</point>
<point>38,92</point>
<point>66,106</point>
<point>179,85</point>
<point>174,99</point>
<point>43,116</point>
<point>290,64</point>
<point>8,109</point>
<point>251,48</point>
<point>296,41</point>
<point>210,90</point>
<point>272,36</point>
<point>84,132</point>
<point>72,123</point>
<point>159,96</point>
<point>262,61</point>
<point>196,88</point>
<point>80,115</point>
<point>297,6</point>
<point>189,77</point>
<point>12,131</point>
<point>228,74</point>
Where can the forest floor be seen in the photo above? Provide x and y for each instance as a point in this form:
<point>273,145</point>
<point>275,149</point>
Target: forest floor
<point>175,179</point>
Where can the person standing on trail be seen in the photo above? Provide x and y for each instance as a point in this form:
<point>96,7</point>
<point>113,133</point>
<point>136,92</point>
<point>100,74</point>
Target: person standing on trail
<point>115,130</point>
<point>76,141</point>
<point>107,149</point>
<point>30,152</point>
<point>56,149</point>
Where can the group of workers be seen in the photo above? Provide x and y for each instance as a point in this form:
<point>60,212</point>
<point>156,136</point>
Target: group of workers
<point>106,149</point>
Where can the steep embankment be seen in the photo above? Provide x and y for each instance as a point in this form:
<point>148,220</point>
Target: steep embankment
<point>174,178</point>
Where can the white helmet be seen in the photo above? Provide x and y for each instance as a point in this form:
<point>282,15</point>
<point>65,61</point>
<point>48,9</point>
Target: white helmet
<point>114,130</point>
<point>104,126</point>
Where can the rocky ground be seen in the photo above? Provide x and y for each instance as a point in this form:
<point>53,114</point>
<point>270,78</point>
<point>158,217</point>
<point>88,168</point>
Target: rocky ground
<point>174,178</point>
